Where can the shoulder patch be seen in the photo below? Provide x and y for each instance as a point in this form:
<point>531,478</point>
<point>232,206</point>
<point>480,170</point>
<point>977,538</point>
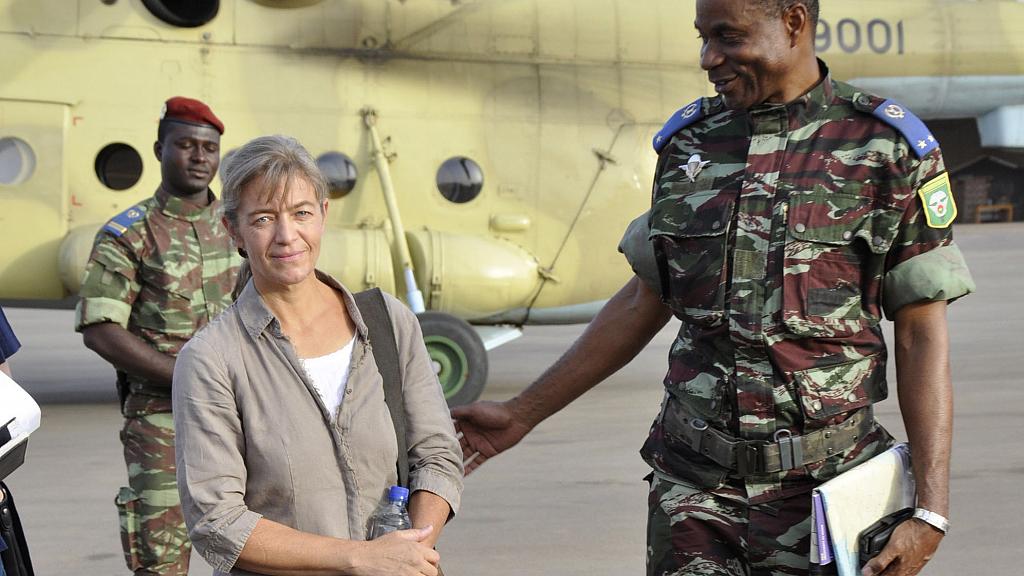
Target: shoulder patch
<point>681,119</point>
<point>910,126</point>
<point>937,197</point>
<point>119,224</point>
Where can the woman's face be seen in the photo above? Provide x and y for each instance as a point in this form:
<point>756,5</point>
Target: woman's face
<point>280,232</point>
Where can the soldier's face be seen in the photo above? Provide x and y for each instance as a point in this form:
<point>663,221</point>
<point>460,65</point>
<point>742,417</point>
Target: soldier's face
<point>281,231</point>
<point>189,157</point>
<point>746,52</point>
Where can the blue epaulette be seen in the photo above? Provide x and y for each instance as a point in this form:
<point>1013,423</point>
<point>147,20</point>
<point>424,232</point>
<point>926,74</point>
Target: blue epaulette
<point>681,119</point>
<point>912,128</point>
<point>119,224</point>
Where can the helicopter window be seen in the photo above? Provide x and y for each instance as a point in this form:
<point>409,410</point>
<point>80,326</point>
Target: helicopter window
<point>118,166</point>
<point>340,172</point>
<point>17,161</point>
<point>183,13</point>
<point>460,179</point>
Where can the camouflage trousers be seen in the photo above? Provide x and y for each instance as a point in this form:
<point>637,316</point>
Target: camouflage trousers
<point>691,532</point>
<point>153,532</point>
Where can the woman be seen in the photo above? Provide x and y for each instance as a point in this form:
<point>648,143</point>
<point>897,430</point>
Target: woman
<point>284,442</point>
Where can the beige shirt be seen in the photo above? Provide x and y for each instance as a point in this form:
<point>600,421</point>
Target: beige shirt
<point>255,440</point>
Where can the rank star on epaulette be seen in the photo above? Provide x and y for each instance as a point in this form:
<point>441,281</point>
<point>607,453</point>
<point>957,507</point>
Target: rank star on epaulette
<point>919,138</point>
<point>937,197</point>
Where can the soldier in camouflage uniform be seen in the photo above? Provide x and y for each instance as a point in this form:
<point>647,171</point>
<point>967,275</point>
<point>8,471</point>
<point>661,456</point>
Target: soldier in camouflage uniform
<point>779,234</point>
<point>158,272</point>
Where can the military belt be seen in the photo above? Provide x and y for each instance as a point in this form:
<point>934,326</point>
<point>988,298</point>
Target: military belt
<point>786,452</point>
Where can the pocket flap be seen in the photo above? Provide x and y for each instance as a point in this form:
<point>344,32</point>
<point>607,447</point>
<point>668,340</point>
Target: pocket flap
<point>174,282</point>
<point>830,390</point>
<point>839,219</point>
<point>691,214</point>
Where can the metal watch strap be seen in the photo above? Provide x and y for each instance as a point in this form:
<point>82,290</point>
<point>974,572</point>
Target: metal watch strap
<point>937,521</point>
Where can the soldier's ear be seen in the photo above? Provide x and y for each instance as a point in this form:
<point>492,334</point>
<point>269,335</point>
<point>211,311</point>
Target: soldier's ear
<point>158,150</point>
<point>797,20</point>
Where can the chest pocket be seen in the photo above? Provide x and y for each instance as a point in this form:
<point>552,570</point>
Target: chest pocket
<point>689,228</point>
<point>164,303</point>
<point>834,261</point>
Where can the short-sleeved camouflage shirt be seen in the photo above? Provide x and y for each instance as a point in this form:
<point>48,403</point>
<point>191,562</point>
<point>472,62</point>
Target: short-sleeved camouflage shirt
<point>162,269</point>
<point>780,256</point>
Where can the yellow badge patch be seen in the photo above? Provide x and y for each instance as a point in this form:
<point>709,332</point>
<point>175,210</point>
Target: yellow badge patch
<point>937,198</point>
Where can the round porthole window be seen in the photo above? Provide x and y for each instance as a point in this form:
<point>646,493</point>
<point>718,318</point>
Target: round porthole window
<point>17,161</point>
<point>184,13</point>
<point>340,172</point>
<point>460,179</point>
<point>118,166</point>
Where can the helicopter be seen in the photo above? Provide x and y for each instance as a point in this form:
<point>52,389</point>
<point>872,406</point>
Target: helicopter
<point>484,155</point>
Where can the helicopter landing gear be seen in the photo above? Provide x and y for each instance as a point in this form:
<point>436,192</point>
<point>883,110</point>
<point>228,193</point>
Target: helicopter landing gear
<point>457,354</point>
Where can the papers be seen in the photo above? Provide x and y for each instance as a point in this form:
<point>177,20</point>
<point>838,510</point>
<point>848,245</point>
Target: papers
<point>19,414</point>
<point>844,506</point>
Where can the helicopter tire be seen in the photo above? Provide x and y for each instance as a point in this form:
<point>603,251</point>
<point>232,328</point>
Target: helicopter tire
<point>457,354</point>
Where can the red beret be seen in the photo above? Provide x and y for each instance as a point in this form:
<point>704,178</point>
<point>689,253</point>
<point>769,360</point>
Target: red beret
<point>189,111</point>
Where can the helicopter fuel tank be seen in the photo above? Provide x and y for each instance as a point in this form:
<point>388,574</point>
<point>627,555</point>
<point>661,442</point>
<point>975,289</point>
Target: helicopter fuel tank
<point>471,276</point>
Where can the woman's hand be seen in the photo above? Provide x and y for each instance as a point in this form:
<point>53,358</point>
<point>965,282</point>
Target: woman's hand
<point>401,553</point>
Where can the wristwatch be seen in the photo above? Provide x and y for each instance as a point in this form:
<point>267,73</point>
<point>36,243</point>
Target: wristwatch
<point>937,521</point>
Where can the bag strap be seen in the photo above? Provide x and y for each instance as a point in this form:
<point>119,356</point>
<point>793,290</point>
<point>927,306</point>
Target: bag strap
<point>374,311</point>
<point>16,560</point>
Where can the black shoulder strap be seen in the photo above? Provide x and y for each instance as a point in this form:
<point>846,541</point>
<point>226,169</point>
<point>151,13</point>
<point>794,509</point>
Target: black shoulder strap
<point>15,558</point>
<point>374,311</point>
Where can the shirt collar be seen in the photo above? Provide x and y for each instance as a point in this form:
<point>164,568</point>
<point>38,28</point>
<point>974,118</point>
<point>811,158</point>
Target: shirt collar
<point>800,111</point>
<point>177,208</point>
<point>257,317</point>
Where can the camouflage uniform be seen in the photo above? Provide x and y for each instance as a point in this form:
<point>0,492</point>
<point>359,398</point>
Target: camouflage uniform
<point>780,256</point>
<point>162,269</point>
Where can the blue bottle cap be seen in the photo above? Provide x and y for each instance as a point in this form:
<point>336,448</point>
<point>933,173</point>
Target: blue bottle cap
<point>398,494</point>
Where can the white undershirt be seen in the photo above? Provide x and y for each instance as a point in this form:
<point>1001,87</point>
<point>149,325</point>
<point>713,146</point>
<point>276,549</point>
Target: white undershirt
<point>330,375</point>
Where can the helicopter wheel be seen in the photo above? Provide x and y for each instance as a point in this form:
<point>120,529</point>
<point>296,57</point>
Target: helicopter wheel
<point>457,354</point>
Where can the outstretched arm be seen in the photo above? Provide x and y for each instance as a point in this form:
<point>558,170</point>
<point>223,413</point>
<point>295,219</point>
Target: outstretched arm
<point>926,401</point>
<point>614,337</point>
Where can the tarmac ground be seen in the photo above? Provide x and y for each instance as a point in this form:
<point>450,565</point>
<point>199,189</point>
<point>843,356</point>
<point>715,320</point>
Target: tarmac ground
<point>570,499</point>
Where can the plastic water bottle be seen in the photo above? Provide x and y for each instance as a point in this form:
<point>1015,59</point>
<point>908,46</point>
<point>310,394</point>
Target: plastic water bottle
<point>391,515</point>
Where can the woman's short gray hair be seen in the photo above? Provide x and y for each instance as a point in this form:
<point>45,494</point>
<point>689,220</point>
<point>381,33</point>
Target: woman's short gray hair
<point>269,162</point>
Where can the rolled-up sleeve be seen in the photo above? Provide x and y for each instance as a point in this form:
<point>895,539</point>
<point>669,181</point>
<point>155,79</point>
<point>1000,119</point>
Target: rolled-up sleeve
<point>209,447</point>
<point>939,274</point>
<point>639,252</point>
<point>924,264</point>
<point>109,285</point>
<point>435,458</point>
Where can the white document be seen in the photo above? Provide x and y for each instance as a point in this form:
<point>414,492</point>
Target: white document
<point>860,497</point>
<point>18,411</point>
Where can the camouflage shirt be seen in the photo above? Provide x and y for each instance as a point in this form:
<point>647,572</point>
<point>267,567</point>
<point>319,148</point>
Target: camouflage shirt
<point>780,256</point>
<point>162,269</point>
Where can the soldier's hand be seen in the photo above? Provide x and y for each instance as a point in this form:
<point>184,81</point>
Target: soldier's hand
<point>485,430</point>
<point>400,553</point>
<point>911,546</point>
